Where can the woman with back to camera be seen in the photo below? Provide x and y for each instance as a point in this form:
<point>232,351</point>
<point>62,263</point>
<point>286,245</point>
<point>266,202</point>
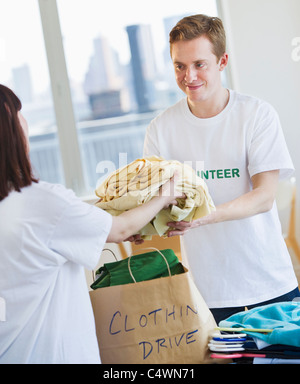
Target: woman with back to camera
<point>47,237</point>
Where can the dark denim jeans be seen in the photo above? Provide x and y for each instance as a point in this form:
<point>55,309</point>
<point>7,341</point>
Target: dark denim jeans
<point>223,313</point>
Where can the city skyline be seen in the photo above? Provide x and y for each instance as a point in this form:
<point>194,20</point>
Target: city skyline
<point>81,22</point>
<point>22,54</point>
<point>113,88</point>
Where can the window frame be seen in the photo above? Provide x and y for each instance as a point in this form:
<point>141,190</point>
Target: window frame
<point>65,117</point>
<point>62,100</point>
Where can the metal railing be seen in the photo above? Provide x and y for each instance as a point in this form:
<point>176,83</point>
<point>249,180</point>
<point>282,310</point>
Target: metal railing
<point>99,140</point>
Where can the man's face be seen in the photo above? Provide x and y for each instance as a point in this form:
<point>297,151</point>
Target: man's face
<point>197,70</point>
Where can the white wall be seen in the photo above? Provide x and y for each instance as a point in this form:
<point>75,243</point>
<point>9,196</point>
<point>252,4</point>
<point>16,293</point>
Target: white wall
<point>260,35</point>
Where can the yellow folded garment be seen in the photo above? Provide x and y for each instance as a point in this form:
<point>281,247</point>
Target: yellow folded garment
<point>139,181</point>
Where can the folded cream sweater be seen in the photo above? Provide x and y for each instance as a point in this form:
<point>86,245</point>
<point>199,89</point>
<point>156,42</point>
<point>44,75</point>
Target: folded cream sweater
<point>139,181</point>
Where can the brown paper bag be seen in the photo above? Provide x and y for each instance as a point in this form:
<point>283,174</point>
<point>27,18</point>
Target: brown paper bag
<point>160,321</point>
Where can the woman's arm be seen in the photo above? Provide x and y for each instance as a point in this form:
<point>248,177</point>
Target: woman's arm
<point>259,200</point>
<point>130,222</point>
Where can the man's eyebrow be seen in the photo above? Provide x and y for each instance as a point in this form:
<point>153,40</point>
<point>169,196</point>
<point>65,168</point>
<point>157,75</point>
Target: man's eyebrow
<point>194,62</point>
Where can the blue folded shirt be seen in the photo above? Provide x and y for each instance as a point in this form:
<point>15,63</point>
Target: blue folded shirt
<point>283,318</point>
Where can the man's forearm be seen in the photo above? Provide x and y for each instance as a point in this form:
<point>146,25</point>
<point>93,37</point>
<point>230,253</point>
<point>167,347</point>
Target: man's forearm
<point>260,199</point>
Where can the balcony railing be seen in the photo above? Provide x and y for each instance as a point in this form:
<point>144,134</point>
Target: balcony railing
<point>100,141</point>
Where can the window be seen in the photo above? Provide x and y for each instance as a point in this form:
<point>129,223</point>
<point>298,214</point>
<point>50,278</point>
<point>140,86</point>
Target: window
<point>24,69</point>
<point>110,58</point>
<point>120,72</point>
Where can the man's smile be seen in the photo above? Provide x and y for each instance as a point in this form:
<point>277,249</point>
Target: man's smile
<point>193,87</point>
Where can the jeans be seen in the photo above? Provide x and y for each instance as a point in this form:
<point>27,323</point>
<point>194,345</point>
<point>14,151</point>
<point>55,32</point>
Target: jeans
<point>223,313</point>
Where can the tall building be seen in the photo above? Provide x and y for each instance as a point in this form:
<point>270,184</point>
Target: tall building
<point>174,93</point>
<point>104,84</point>
<point>143,65</point>
<point>23,83</point>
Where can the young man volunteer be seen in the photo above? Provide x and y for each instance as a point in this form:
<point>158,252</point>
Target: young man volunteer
<point>237,254</point>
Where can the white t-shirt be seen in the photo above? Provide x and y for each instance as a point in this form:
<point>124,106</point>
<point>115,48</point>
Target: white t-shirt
<point>47,236</point>
<point>241,262</point>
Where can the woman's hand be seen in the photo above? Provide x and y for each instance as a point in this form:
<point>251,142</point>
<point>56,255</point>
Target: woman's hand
<point>170,192</point>
<point>137,239</point>
<point>128,223</point>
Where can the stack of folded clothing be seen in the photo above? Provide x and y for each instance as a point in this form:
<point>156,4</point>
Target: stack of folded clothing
<point>267,334</point>
<point>139,182</point>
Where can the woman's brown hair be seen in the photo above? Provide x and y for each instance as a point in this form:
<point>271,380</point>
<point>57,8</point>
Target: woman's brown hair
<point>191,27</point>
<point>15,166</point>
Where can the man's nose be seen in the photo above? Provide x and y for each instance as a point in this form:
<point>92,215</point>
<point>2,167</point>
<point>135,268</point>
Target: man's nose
<point>190,75</point>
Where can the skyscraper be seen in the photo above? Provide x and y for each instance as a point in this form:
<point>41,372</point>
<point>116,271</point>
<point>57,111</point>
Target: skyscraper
<point>23,83</point>
<point>142,64</point>
<point>104,84</point>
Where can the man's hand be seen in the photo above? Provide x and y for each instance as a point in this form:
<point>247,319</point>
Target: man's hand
<point>179,228</point>
<point>259,200</point>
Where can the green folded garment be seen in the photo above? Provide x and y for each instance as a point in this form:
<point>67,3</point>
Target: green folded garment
<point>146,266</point>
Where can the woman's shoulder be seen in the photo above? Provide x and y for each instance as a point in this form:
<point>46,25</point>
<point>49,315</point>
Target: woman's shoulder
<point>51,191</point>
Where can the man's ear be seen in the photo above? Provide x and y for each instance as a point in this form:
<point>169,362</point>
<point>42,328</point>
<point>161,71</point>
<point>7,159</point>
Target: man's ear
<point>223,62</point>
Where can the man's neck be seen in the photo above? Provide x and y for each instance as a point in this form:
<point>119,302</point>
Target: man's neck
<point>210,107</point>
